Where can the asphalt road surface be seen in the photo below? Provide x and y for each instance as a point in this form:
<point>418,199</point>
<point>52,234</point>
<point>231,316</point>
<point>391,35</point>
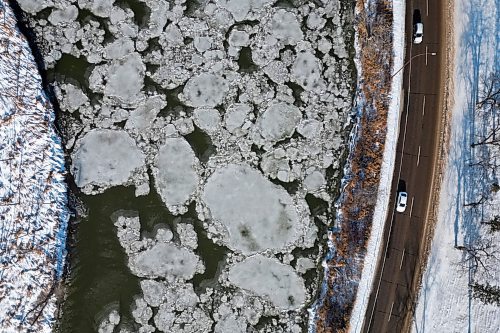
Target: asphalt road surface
<point>392,295</point>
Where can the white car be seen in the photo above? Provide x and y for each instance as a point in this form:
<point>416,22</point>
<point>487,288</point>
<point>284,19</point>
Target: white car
<point>401,203</point>
<point>418,33</point>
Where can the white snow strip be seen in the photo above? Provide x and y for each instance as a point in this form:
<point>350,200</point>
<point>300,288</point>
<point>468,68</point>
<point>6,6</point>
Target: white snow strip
<point>380,214</point>
<point>33,212</point>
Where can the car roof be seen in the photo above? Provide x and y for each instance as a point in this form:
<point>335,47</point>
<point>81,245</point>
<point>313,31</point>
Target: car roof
<point>420,27</point>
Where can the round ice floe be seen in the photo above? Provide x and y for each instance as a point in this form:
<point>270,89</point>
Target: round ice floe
<point>315,21</point>
<point>238,38</point>
<point>306,71</point>
<point>202,43</point>
<point>278,121</point>
<point>125,78</point>
<point>205,90</point>
<point>309,128</point>
<point>164,260</point>
<point>108,324</point>
<point>143,116</point>
<point>235,117</point>
<point>231,324</point>
<point>102,8</point>
<point>105,158</point>
<point>314,181</point>
<point>175,172</point>
<point>238,8</point>
<point>154,292</point>
<point>172,35</point>
<point>32,6</point>
<point>119,48</point>
<point>241,8</point>
<point>65,15</point>
<point>277,71</point>
<point>73,97</point>
<point>271,279</point>
<point>207,119</point>
<point>285,27</point>
<point>304,264</point>
<point>257,214</point>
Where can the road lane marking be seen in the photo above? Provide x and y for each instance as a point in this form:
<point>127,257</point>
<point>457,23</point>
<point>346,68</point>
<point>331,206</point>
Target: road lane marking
<point>423,107</point>
<point>426,55</point>
<point>427,6</point>
<point>418,156</point>
<point>390,312</point>
<point>402,257</point>
<point>411,206</point>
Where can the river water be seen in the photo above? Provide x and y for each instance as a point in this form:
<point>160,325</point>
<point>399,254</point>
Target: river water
<point>98,277</point>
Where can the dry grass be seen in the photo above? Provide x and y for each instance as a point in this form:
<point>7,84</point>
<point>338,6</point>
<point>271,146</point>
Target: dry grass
<point>375,39</point>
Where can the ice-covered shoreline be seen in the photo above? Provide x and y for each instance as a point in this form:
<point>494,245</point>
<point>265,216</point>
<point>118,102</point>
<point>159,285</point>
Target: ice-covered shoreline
<point>33,208</point>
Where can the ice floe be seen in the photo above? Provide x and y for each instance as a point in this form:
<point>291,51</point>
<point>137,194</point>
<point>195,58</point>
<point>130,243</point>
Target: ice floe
<point>270,278</point>
<point>257,214</point>
<point>175,173</point>
<point>105,158</point>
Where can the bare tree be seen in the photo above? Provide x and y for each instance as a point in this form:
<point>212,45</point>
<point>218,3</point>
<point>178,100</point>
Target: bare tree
<point>479,202</point>
<point>489,103</point>
<point>494,223</point>
<point>480,253</point>
<point>490,96</point>
<point>486,293</point>
<point>492,138</point>
<point>489,163</point>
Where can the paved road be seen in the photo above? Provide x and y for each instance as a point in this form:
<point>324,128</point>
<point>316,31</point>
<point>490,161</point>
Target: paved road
<point>392,294</point>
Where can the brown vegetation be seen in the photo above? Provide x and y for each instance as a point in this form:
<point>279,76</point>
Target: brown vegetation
<point>359,197</point>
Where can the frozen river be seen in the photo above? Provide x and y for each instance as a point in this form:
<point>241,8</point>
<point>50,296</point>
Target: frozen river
<point>206,142</point>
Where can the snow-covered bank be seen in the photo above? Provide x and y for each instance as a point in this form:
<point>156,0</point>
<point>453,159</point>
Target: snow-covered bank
<point>354,242</point>
<point>373,249</point>
<point>445,301</point>
<point>33,213</point>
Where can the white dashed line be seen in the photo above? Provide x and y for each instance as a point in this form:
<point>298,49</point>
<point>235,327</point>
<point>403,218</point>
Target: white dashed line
<point>418,156</point>
<point>423,107</point>
<point>411,206</point>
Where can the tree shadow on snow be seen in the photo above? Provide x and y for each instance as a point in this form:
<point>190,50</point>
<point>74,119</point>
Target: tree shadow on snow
<point>474,64</point>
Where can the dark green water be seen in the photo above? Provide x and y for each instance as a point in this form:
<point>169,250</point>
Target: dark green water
<point>99,277</point>
<point>98,267</point>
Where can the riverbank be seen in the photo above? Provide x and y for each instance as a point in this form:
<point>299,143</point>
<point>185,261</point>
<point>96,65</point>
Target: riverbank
<point>355,238</point>
<point>33,210</point>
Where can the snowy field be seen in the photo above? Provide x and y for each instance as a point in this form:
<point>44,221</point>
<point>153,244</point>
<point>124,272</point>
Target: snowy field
<point>268,85</point>
<point>446,300</point>
<point>33,212</point>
